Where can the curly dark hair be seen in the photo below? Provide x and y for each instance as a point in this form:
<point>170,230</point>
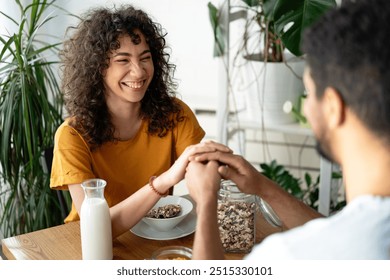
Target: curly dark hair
<point>348,50</point>
<point>85,56</point>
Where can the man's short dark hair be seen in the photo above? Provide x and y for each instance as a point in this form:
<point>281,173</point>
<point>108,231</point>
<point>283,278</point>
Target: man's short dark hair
<point>349,50</point>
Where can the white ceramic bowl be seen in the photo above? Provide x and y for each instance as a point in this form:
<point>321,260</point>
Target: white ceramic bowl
<point>167,224</point>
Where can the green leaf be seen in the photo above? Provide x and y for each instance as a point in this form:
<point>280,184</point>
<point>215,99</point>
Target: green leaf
<point>219,37</point>
<point>292,17</point>
<point>308,179</point>
<point>337,175</point>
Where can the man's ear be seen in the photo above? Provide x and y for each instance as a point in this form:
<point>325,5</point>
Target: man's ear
<point>334,107</point>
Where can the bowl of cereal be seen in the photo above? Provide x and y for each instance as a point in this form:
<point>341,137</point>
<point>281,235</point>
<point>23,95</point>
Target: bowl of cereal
<point>172,253</point>
<point>168,212</point>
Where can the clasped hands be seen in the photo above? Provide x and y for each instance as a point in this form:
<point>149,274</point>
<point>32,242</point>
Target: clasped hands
<point>209,162</point>
<point>204,164</point>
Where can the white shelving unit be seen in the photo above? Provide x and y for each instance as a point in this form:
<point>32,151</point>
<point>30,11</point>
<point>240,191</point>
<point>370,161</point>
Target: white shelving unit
<point>226,128</point>
<point>326,167</point>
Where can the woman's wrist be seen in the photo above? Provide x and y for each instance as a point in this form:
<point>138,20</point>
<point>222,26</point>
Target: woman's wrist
<point>156,191</point>
<point>159,186</point>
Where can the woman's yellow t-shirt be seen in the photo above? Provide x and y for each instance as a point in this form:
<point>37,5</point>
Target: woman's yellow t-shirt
<point>125,165</point>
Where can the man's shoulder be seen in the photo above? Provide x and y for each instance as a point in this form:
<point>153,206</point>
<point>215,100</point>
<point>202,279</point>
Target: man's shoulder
<point>353,233</point>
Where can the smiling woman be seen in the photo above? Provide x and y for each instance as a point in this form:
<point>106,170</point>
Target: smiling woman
<point>94,59</point>
<point>129,73</point>
<point>125,125</point>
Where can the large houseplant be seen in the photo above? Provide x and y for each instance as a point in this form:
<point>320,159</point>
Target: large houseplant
<point>270,25</point>
<point>270,32</point>
<point>30,112</point>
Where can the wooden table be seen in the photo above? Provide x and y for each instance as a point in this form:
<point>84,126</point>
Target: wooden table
<point>63,243</point>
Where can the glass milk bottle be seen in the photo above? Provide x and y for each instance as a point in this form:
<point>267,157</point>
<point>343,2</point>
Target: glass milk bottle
<point>95,222</point>
<point>236,218</point>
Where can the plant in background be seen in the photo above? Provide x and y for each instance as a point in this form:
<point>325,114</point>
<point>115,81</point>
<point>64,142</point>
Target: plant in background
<point>297,110</point>
<point>270,25</point>
<point>308,193</point>
<point>259,44</point>
<point>30,112</point>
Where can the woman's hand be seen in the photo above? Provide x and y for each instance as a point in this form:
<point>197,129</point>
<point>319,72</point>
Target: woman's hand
<point>235,168</point>
<point>176,173</point>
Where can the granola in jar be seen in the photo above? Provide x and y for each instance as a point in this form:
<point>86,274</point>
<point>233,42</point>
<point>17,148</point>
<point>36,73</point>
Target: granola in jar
<point>236,218</point>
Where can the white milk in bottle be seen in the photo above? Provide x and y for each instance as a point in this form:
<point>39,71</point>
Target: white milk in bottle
<point>95,222</point>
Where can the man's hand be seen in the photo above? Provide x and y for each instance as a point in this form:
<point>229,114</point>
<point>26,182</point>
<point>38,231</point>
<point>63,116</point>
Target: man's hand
<point>203,180</point>
<point>235,168</point>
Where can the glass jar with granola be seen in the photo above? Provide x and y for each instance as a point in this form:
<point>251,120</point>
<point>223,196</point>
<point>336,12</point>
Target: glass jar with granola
<point>236,218</point>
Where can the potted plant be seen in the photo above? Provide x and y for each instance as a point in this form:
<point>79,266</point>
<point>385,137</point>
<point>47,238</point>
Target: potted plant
<point>271,33</point>
<point>307,191</point>
<point>30,112</point>
<point>277,25</point>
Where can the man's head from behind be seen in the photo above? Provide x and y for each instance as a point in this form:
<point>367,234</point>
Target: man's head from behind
<point>348,51</point>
